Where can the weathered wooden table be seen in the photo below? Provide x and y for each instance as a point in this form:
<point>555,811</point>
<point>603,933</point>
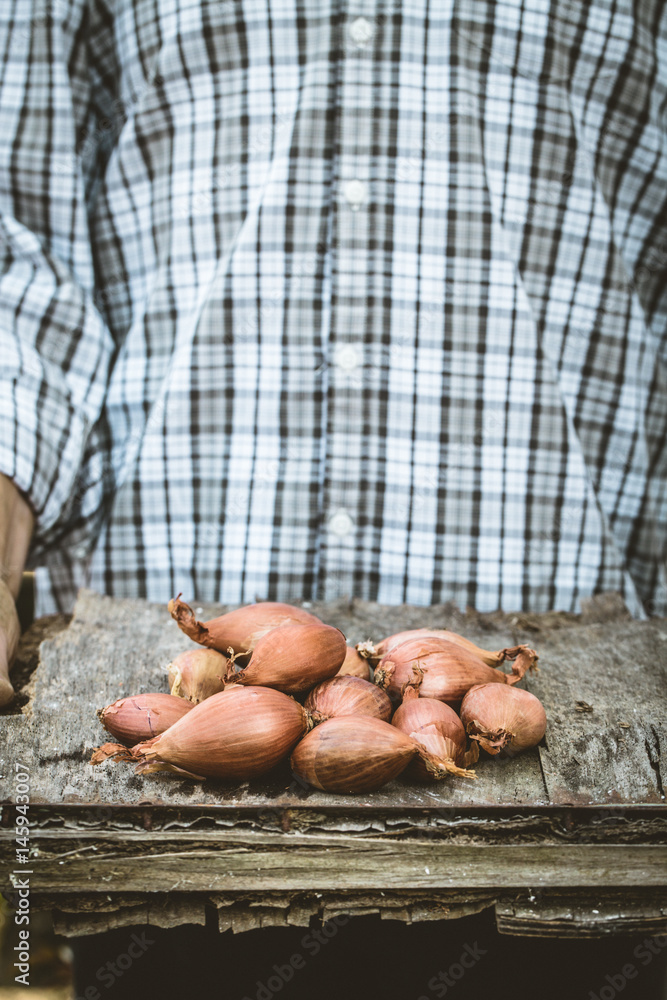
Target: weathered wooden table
<point>568,839</point>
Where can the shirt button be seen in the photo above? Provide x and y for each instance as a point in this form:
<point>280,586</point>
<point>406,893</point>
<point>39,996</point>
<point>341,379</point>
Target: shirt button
<point>361,31</point>
<point>355,193</point>
<point>341,524</point>
<point>347,357</point>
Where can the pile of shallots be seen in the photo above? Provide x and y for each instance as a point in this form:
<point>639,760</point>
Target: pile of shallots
<point>272,680</point>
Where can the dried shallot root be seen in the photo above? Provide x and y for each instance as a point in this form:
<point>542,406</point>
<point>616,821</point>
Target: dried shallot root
<point>240,629</point>
<point>492,658</point>
<point>238,734</point>
<point>357,754</point>
<point>438,728</point>
<point>342,695</point>
<point>355,665</point>
<point>196,674</point>
<point>142,716</point>
<point>292,658</point>
<point>504,719</point>
<point>447,670</point>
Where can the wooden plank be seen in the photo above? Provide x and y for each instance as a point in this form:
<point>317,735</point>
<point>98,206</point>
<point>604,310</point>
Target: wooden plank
<point>615,750</point>
<point>261,862</point>
<point>575,915</point>
<point>119,647</point>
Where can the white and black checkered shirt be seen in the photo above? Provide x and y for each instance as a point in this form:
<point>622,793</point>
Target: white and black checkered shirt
<point>304,298</point>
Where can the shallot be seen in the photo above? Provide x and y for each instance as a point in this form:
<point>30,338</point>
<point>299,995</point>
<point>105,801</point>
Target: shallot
<point>241,629</point>
<point>196,674</point>
<point>355,665</point>
<point>438,728</point>
<point>503,718</point>
<point>347,696</point>
<point>492,658</point>
<point>293,658</point>
<point>357,754</point>
<point>142,716</point>
<point>240,733</point>
<point>443,669</point>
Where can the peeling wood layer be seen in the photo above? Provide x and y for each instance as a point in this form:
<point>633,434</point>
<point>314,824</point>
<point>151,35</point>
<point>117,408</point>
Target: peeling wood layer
<point>75,825</point>
<point>240,912</point>
<point>582,915</point>
<point>528,912</point>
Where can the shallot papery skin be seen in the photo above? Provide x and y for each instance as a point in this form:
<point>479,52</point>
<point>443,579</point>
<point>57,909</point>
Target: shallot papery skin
<point>492,658</point>
<point>238,630</point>
<point>196,674</point>
<point>237,734</point>
<point>434,739</point>
<point>355,754</point>
<point>438,728</point>
<point>419,712</point>
<point>503,718</point>
<point>142,716</point>
<point>293,658</point>
<point>355,665</point>
<point>347,696</point>
<point>438,668</point>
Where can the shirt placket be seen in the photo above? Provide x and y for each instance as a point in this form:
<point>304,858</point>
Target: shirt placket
<point>343,535</point>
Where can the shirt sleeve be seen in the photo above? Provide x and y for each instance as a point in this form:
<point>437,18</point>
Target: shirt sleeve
<point>55,347</point>
<point>620,116</point>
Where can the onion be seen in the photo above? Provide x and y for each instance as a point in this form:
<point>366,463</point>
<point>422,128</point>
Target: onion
<point>442,670</point>
<point>491,658</point>
<point>356,754</point>
<point>240,733</point>
<point>355,665</point>
<point>293,658</point>
<point>197,674</point>
<point>503,718</point>
<point>239,629</point>
<point>438,728</point>
<point>142,716</point>
<point>347,696</point>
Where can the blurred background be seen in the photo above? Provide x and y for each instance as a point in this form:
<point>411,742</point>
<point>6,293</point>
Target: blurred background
<point>50,959</point>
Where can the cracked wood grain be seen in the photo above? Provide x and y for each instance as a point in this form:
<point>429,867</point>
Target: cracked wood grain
<point>271,862</point>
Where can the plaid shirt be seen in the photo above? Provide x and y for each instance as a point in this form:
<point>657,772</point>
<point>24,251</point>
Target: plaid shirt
<point>304,298</point>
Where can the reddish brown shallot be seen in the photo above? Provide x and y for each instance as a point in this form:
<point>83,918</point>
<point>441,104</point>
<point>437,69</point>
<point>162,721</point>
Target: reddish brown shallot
<point>355,665</point>
<point>357,754</point>
<point>240,733</point>
<point>443,669</point>
<point>142,716</point>
<point>376,652</point>
<point>240,629</point>
<point>196,674</point>
<point>438,728</point>
<point>504,719</point>
<point>293,658</point>
<point>347,696</point>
